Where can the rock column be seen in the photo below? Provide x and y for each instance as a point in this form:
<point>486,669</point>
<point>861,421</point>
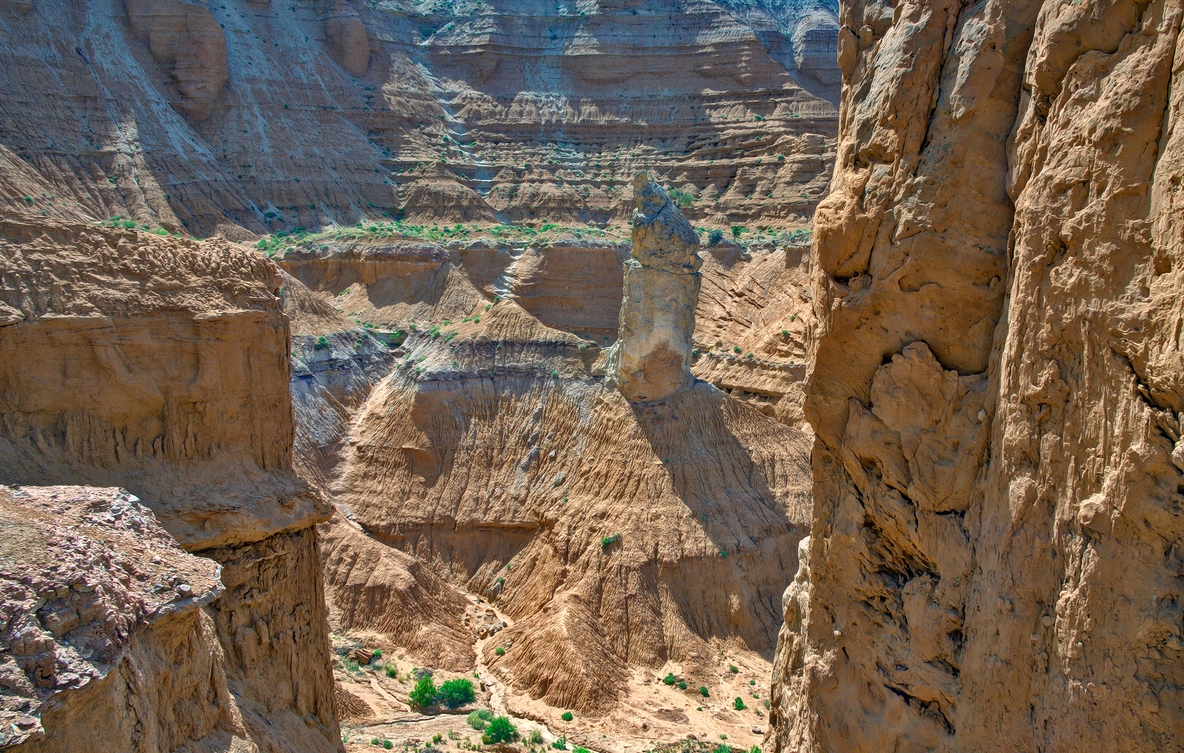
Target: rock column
<point>651,359</point>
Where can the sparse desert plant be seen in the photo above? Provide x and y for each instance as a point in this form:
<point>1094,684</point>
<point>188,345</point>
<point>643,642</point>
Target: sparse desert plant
<point>608,541</point>
<point>424,694</point>
<point>500,730</point>
<point>437,738</point>
<point>715,237</point>
<point>560,743</point>
<point>391,670</point>
<point>499,651</point>
<point>456,693</point>
<point>733,669</point>
<point>479,719</point>
<point>536,737</point>
<point>566,716</point>
<point>387,745</point>
<point>670,679</point>
<point>738,704</point>
<point>703,691</point>
<point>322,343</point>
<point>682,684</point>
<point>737,230</point>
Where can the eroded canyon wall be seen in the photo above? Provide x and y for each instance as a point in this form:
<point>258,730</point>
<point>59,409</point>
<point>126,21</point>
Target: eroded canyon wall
<point>994,560</point>
<point>244,117</point>
<point>162,366</point>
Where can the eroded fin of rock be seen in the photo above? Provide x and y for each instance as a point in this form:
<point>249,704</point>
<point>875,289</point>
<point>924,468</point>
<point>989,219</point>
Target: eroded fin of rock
<point>652,356</point>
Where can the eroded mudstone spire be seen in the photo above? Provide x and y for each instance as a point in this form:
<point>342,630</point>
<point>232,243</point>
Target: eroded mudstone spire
<point>653,351</point>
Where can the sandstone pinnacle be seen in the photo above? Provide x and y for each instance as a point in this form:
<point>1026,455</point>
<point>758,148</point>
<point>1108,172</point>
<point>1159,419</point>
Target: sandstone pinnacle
<point>661,289</point>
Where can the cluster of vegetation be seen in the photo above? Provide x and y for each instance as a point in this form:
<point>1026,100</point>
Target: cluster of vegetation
<point>499,730</point>
<point>452,693</point>
<point>125,223</point>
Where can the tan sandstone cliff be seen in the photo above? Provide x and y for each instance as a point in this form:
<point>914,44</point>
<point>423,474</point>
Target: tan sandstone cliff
<point>995,553</point>
<point>162,366</point>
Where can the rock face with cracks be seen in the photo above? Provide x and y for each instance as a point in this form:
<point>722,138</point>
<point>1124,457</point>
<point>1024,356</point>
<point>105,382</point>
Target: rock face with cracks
<point>995,559</point>
<point>651,359</point>
<point>162,366</point>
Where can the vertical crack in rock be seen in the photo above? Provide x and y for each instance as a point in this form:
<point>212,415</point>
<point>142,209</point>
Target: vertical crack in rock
<point>651,359</point>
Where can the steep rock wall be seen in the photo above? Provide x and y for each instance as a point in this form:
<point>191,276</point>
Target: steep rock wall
<point>162,366</point>
<point>995,386</point>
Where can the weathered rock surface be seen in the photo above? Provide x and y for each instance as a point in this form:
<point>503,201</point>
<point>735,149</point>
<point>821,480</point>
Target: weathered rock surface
<point>154,364</point>
<point>102,619</point>
<point>244,117</point>
<point>996,389</point>
<point>186,37</point>
<point>651,359</point>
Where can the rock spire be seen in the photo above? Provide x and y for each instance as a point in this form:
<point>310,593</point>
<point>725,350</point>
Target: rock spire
<point>653,351</point>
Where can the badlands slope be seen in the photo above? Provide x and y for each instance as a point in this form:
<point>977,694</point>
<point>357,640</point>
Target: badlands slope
<point>246,117</point>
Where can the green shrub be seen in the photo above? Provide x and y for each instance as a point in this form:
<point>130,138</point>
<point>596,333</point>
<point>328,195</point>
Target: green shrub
<point>500,730</point>
<point>682,684</point>
<point>424,694</point>
<point>499,651</point>
<point>566,716</point>
<point>375,741</point>
<point>391,670</point>
<point>456,693</point>
<point>714,237</point>
<point>738,704</point>
<point>578,749</point>
<point>608,541</point>
<point>437,738</point>
<point>387,744</point>
<point>733,669</point>
<point>560,743</point>
<point>703,691</point>
<point>721,748</point>
<point>737,230</point>
<point>536,737</point>
<point>766,703</point>
<point>322,343</point>
<point>670,679</point>
<point>752,682</point>
<point>479,719</point>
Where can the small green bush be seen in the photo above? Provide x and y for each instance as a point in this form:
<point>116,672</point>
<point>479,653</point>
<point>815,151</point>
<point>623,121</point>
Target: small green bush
<point>375,741</point>
<point>721,748</point>
<point>479,719</point>
<point>738,704</point>
<point>500,730</point>
<point>424,693</point>
<point>608,541</point>
<point>391,670</point>
<point>322,343</point>
<point>682,684</point>
<point>499,651</point>
<point>752,682</point>
<point>456,693</point>
<point>670,679</point>
<point>560,743</point>
<point>735,348</point>
<point>703,691</point>
<point>387,744</point>
<point>536,737</point>
<point>566,716</point>
<point>714,237</point>
<point>733,669</point>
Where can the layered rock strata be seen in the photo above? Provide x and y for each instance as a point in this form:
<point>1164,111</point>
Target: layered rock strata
<point>163,366</point>
<point>245,117</point>
<point>651,359</point>
<point>995,385</point>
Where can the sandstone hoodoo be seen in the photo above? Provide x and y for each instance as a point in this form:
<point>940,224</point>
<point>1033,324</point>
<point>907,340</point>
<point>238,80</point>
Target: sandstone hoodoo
<point>652,356</point>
